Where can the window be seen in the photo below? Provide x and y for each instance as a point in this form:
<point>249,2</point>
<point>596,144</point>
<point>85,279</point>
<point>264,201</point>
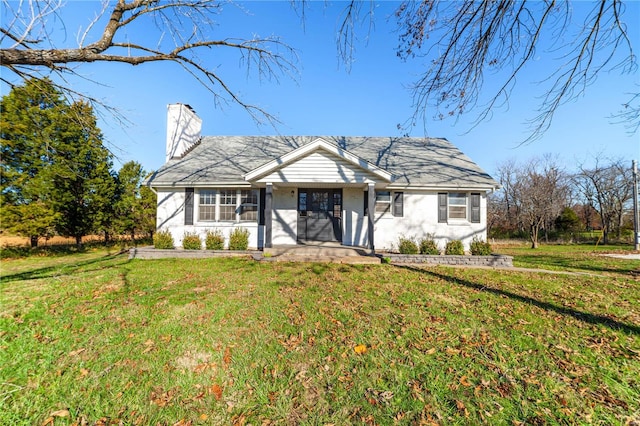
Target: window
<point>457,206</point>
<point>398,204</point>
<point>302,202</point>
<point>337,204</point>
<point>248,205</point>
<point>207,206</point>
<point>228,205</point>
<point>383,202</point>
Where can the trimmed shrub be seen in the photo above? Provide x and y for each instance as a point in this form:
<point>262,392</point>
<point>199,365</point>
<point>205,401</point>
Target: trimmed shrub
<point>239,239</point>
<point>214,240</point>
<point>454,247</point>
<point>480,248</point>
<point>191,241</point>
<point>163,240</point>
<point>429,246</point>
<point>407,246</point>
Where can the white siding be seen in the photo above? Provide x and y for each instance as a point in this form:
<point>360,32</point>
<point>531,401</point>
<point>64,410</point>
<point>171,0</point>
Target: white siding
<point>320,166</point>
<point>421,219</point>
<point>285,216</point>
<point>170,217</point>
<point>354,225</point>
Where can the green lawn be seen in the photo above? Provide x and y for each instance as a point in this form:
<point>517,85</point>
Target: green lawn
<point>94,338</point>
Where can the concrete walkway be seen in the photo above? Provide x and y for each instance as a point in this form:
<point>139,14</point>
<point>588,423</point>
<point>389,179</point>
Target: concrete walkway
<point>634,256</point>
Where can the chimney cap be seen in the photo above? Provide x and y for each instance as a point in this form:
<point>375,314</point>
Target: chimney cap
<point>186,105</point>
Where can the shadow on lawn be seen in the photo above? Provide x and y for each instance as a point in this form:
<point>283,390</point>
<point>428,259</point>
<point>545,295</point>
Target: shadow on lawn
<point>588,265</point>
<point>64,269</point>
<point>579,315</point>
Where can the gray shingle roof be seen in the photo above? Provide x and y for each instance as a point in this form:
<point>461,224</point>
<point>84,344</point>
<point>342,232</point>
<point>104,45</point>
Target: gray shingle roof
<point>413,161</point>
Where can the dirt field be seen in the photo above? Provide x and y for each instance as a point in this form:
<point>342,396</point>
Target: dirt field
<point>11,241</point>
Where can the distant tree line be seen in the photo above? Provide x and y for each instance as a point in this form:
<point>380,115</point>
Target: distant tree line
<point>540,198</point>
<point>56,175</point>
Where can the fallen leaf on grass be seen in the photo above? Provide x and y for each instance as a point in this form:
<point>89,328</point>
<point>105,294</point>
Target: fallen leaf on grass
<point>227,356</point>
<point>162,398</point>
<point>76,352</point>
<point>461,408</point>
<point>452,351</point>
<point>60,413</point>
<point>360,349</point>
<point>216,391</point>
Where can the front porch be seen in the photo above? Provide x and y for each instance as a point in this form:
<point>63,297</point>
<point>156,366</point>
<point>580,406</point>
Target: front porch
<point>315,192</point>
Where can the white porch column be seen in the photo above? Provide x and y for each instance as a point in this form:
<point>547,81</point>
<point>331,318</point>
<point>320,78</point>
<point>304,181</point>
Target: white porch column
<point>371,206</point>
<point>268,216</point>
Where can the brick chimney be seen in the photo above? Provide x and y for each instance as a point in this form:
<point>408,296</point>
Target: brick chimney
<point>183,130</point>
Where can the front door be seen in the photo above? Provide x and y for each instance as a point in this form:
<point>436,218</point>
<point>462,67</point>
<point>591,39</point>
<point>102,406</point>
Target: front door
<point>320,215</point>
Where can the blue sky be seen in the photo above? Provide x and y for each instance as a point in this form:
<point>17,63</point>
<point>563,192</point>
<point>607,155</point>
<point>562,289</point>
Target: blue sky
<point>325,99</point>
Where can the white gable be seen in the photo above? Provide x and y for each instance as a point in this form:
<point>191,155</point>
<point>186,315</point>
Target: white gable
<point>319,161</point>
<point>322,167</point>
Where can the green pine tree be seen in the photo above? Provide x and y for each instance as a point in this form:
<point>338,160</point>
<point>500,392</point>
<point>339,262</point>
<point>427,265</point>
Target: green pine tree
<point>81,173</point>
<point>56,174</point>
<point>136,208</point>
<point>28,129</point>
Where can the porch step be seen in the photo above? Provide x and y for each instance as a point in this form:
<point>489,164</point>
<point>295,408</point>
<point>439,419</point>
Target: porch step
<point>360,260</point>
<point>326,253</point>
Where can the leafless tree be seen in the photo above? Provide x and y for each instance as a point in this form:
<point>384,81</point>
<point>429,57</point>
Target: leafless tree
<point>534,194</point>
<point>609,188</point>
<point>462,41</point>
<point>501,204</point>
<point>183,31</point>
<point>630,113</point>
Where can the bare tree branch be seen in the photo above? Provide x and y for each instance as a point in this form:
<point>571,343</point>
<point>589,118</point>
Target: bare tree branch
<point>188,22</point>
<point>504,36</point>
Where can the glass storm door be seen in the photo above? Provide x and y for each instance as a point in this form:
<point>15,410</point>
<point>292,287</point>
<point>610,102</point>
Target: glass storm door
<point>319,215</point>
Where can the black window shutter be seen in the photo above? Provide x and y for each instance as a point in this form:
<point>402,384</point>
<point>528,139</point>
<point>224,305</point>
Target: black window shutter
<point>398,204</point>
<point>188,206</point>
<point>263,201</point>
<point>475,208</point>
<point>442,207</point>
<point>365,206</point>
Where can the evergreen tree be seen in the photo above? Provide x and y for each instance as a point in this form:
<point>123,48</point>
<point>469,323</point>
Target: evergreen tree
<point>29,118</point>
<point>80,173</point>
<point>136,207</point>
<point>129,178</point>
<point>55,171</point>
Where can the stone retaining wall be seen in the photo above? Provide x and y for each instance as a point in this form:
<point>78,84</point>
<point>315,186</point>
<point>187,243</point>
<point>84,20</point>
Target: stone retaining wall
<point>153,253</point>
<point>495,260</point>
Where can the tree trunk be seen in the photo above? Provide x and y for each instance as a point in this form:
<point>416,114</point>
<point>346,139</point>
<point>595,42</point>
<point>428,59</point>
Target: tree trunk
<point>34,241</point>
<point>107,237</point>
<point>533,235</point>
<point>79,240</point>
<point>133,236</point>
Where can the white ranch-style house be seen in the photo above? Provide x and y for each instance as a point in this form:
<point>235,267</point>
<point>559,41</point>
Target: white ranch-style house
<point>286,190</point>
